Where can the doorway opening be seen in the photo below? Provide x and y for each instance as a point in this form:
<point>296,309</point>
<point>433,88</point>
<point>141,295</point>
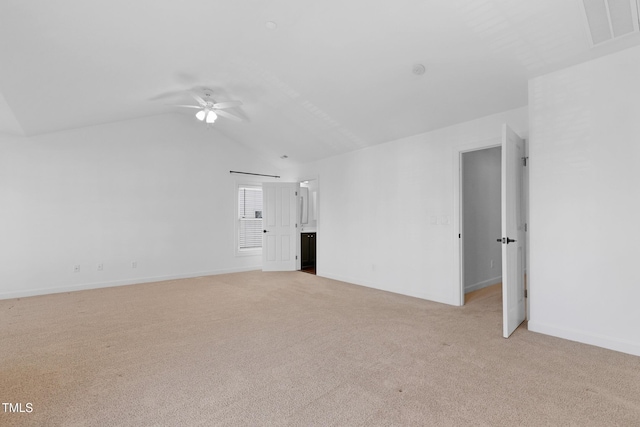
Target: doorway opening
<point>512,238</point>
<point>480,179</point>
<point>308,220</point>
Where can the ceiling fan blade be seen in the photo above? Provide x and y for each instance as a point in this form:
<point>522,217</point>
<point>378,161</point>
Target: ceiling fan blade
<point>165,95</point>
<point>198,98</point>
<point>228,115</point>
<point>185,106</point>
<point>227,104</point>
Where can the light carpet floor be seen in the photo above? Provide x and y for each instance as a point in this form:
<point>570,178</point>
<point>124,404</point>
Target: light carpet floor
<point>295,349</point>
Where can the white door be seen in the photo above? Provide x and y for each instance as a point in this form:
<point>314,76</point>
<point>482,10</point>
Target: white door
<point>513,235</point>
<point>280,235</point>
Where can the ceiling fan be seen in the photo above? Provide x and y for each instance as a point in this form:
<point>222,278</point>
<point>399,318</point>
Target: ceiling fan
<point>209,109</point>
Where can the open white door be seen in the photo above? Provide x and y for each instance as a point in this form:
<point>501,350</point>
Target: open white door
<point>513,233</point>
<point>279,226</point>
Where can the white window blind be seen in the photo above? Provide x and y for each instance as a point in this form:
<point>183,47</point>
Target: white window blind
<point>249,217</point>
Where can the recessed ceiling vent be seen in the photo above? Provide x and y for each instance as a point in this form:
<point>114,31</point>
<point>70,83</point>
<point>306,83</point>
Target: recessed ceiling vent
<point>610,19</point>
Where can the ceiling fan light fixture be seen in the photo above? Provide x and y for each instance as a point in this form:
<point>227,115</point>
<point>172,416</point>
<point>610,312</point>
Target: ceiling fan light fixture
<point>211,117</point>
<point>209,110</point>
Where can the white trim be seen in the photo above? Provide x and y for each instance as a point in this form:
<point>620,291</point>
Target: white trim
<point>585,338</point>
<point>298,242</point>
<point>483,284</point>
<point>248,252</point>
<point>124,282</point>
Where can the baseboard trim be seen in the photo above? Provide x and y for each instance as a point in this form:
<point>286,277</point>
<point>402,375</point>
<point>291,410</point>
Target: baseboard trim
<point>585,338</point>
<point>123,282</point>
<point>405,292</point>
<point>483,284</point>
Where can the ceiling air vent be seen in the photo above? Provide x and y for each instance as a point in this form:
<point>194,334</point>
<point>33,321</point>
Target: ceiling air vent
<point>609,19</point>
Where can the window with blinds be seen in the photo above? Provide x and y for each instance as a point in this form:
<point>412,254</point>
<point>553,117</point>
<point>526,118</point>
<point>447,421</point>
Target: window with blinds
<point>249,217</point>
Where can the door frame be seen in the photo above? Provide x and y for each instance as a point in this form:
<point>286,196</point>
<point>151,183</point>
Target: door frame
<point>458,232</point>
<point>299,249</point>
<point>458,256</point>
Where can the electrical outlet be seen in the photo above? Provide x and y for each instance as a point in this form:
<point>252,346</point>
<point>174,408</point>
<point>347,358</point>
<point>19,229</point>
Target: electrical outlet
<point>76,268</point>
<point>100,267</point>
<point>134,264</point>
<point>492,264</point>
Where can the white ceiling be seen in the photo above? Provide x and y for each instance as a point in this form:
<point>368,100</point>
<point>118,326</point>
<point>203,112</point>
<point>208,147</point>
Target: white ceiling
<point>336,75</point>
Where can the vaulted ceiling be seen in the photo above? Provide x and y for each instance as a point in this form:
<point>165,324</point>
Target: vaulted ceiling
<point>332,76</point>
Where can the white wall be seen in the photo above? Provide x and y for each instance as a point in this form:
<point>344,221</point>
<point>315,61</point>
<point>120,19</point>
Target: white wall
<point>584,176</point>
<point>386,215</point>
<point>155,190</point>
<point>482,212</point>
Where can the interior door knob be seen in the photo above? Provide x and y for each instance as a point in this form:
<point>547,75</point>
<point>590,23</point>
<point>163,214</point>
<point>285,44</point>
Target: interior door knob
<point>265,231</point>
<point>509,240</point>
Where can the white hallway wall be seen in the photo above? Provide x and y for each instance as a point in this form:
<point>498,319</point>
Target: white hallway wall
<point>584,176</point>
<point>386,212</point>
<point>155,190</point>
